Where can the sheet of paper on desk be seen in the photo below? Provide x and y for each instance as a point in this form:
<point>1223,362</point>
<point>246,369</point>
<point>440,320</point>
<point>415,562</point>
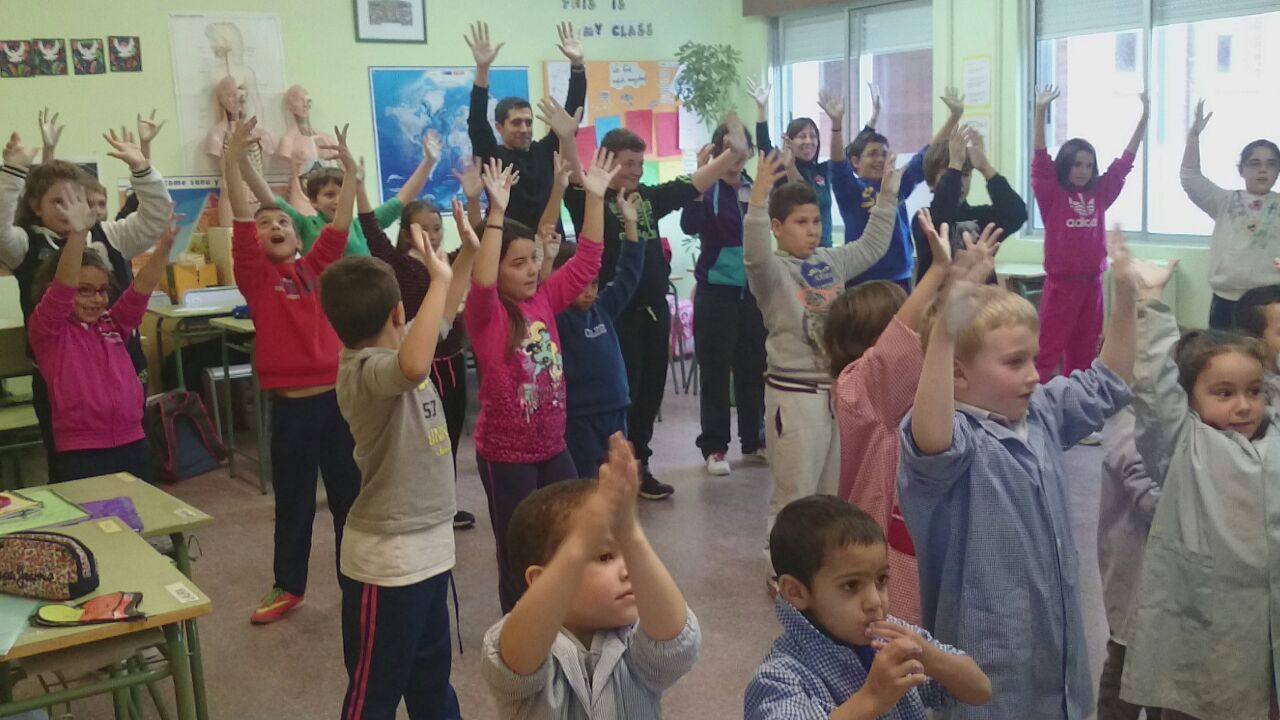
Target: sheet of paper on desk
<point>14,613</point>
<point>54,511</point>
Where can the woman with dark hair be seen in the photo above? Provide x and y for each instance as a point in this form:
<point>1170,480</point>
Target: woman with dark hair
<point>805,143</point>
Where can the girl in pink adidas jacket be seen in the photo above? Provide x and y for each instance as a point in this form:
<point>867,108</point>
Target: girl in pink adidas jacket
<point>1073,202</point>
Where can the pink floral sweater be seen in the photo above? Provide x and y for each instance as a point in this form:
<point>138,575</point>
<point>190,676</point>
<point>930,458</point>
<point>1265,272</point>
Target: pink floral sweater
<point>522,393</point>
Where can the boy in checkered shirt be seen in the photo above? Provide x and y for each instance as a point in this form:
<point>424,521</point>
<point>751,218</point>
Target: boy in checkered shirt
<point>840,655</point>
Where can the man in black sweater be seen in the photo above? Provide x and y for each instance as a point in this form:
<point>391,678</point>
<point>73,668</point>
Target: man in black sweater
<point>513,119</point>
<point>644,328</point>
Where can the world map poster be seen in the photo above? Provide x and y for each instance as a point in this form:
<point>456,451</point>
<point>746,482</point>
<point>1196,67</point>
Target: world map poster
<point>410,101</point>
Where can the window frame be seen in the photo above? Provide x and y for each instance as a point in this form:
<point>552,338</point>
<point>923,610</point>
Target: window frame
<point>1030,59</point>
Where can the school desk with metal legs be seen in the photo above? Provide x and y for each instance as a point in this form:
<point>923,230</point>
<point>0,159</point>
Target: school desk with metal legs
<point>242,328</point>
<point>170,600</point>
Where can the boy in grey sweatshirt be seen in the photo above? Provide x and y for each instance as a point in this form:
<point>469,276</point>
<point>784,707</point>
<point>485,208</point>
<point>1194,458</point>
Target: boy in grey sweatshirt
<point>794,286</point>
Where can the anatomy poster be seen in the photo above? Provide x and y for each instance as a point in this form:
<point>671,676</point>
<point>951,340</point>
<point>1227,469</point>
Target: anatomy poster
<point>206,50</point>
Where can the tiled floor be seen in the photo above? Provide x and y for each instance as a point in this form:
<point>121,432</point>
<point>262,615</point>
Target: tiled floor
<point>710,535</point>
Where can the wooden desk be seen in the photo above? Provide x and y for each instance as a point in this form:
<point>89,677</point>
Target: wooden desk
<point>161,514</point>
<point>125,562</point>
<point>182,316</point>
<point>242,328</point>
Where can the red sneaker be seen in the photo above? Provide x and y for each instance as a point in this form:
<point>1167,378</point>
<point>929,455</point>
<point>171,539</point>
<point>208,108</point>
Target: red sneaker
<point>274,606</point>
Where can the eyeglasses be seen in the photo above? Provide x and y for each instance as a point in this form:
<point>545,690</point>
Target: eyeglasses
<point>89,291</point>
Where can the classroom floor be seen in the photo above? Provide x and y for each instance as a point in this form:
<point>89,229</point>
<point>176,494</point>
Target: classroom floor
<point>710,534</point>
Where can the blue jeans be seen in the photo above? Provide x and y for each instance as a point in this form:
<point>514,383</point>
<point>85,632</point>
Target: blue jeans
<point>587,437</point>
<point>396,644</point>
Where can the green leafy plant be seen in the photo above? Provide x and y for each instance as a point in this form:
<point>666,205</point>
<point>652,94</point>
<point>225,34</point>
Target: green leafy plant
<point>707,80</point>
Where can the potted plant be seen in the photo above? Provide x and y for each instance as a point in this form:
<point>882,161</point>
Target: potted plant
<point>708,77</point>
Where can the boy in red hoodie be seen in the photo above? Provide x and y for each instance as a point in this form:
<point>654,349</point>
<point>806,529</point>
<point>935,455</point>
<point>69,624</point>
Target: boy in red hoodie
<point>297,362</point>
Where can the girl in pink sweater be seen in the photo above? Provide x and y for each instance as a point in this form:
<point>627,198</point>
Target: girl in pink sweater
<point>511,320</point>
<point>1073,202</point>
<point>871,336</point>
<point>77,333</point>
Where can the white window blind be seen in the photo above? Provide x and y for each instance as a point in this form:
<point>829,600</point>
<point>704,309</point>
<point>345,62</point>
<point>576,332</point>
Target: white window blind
<point>1170,12</point>
<point>897,28</point>
<point>813,37</point>
<point>1060,18</point>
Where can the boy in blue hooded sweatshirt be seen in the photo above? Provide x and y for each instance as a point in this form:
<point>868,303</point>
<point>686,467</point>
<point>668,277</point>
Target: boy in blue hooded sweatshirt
<point>596,378</point>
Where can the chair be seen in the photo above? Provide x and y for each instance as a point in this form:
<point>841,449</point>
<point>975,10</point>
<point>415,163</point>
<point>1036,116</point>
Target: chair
<point>212,376</point>
<point>19,430</point>
<point>14,362</point>
<point>688,371</point>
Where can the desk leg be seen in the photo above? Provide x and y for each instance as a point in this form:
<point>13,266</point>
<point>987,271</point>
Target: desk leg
<point>229,437</point>
<point>177,354</point>
<point>182,560</point>
<point>180,668</point>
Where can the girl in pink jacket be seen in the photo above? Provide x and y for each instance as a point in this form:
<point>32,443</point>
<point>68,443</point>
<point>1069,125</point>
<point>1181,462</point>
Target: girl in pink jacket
<point>1073,202</point>
<point>77,333</point>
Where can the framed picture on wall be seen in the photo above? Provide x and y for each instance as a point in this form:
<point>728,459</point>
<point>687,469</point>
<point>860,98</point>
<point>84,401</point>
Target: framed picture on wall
<point>391,20</point>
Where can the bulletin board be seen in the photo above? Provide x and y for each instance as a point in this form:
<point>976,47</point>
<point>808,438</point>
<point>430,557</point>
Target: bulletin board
<point>637,95</point>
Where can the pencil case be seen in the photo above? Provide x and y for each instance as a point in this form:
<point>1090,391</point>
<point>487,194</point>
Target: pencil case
<point>46,566</point>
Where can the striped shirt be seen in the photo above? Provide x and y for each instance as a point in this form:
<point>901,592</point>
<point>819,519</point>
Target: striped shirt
<point>807,675</point>
<point>620,677</point>
<point>999,571</point>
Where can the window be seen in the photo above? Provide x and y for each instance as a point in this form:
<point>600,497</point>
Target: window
<point>1100,51</point>
<point>841,51</point>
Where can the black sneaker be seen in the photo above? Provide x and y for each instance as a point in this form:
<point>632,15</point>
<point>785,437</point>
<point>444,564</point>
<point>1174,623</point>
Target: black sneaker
<point>651,489</point>
<point>464,520</point>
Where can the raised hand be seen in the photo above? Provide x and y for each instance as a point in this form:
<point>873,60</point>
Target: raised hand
<point>769,171</point>
<point>874,89</point>
<point>1146,104</point>
<point>1046,95</point>
<point>570,44</point>
<point>497,183</point>
<point>788,158</point>
<point>629,205</point>
<point>619,482</point>
<point>469,179</point>
<point>760,93</point>
<point>148,128</point>
<point>562,169</point>
<point>75,210</point>
<point>939,238</point>
<point>239,139</point>
<point>16,154</point>
<point>564,125</point>
<point>548,239</point>
<point>832,105</point>
<point>892,176</point>
<point>126,149</point>
<point>600,174</point>
<point>736,137</point>
<point>977,150</point>
<point>466,233</point>
<point>1201,120</point>
<point>50,130</point>
<point>977,260</point>
<point>954,101</point>
<point>435,260</point>
<point>483,52</point>
<point>344,153</point>
<point>431,146</point>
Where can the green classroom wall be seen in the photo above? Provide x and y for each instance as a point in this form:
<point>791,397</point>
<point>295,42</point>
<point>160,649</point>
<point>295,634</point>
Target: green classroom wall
<point>321,53</point>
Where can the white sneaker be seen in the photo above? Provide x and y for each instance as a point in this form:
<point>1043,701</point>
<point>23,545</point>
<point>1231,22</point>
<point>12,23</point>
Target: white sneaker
<point>1092,440</point>
<point>717,465</point>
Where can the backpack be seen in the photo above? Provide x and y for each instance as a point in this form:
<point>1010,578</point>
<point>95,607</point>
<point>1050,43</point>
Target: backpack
<point>183,440</point>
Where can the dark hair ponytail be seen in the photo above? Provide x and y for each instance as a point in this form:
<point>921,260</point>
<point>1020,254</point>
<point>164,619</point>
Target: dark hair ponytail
<point>517,323</point>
